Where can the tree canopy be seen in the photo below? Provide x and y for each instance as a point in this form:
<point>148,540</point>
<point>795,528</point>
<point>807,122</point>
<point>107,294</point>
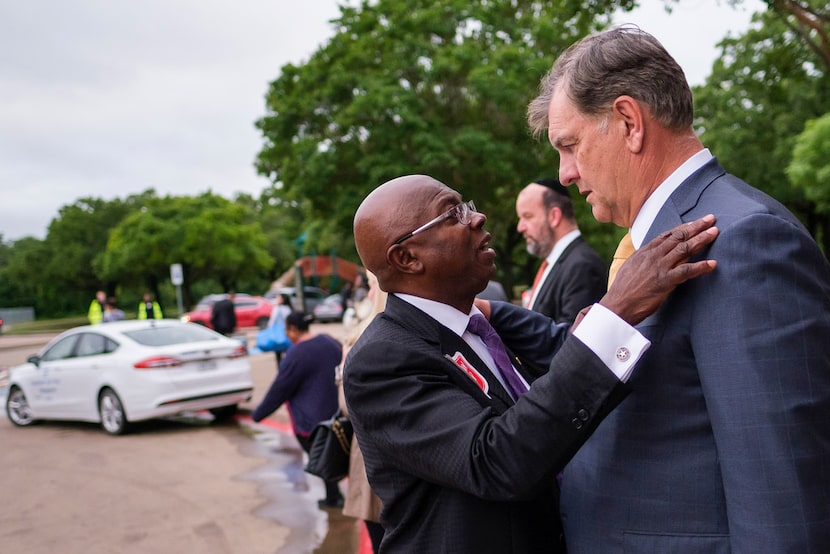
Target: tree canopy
<point>763,88</point>
<point>433,87</point>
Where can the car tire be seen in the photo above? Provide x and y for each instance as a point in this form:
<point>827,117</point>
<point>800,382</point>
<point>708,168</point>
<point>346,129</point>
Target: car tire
<point>262,322</point>
<point>111,410</point>
<point>224,413</point>
<point>17,408</point>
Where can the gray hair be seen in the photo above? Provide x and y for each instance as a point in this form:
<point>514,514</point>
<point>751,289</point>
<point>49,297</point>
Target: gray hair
<point>602,67</point>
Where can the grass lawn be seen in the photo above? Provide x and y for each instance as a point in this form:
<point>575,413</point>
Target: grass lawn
<point>44,325</point>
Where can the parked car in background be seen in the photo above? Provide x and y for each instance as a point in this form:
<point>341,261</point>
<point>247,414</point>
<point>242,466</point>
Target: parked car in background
<point>329,310</point>
<point>126,371</point>
<point>313,296</point>
<point>251,311</point>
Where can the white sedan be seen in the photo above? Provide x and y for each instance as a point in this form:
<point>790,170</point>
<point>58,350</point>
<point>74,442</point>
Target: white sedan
<point>119,372</point>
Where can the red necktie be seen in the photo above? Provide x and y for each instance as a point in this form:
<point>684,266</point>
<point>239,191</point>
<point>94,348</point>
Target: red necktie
<point>537,280</point>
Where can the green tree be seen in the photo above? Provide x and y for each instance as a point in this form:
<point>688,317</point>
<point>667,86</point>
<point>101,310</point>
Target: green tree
<point>435,87</point>
<point>809,20</point>
<point>809,168</point>
<point>22,284</point>
<point>213,238</point>
<point>282,222</point>
<point>74,239</point>
<point>763,88</point>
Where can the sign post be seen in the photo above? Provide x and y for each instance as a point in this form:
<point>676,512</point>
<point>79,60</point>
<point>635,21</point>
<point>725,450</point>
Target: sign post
<point>177,277</point>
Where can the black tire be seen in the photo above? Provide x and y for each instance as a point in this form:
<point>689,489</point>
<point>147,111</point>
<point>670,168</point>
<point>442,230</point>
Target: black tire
<point>224,413</point>
<point>17,408</point>
<point>111,410</point>
<point>262,322</point>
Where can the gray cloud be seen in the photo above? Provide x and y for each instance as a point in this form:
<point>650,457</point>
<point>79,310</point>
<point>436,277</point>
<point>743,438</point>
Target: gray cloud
<point>109,98</point>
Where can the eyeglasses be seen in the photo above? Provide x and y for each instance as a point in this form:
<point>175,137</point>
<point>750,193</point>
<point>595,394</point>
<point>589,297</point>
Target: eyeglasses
<point>462,212</point>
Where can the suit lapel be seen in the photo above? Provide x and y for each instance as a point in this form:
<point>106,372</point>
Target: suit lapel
<point>546,286</point>
<point>460,354</point>
<point>681,201</point>
<point>468,366</point>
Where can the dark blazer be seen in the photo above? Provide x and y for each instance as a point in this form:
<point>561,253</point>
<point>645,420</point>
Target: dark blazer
<point>724,443</point>
<point>460,470</point>
<point>223,316</point>
<point>305,381</point>
<point>577,279</point>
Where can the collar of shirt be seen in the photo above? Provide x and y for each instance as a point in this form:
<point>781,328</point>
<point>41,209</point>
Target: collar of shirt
<point>653,204</point>
<point>455,320</point>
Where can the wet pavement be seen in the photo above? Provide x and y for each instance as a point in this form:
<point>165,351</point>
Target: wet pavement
<point>312,529</point>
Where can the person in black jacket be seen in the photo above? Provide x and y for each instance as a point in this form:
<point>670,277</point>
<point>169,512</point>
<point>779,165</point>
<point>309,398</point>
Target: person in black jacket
<point>572,275</point>
<point>223,315</point>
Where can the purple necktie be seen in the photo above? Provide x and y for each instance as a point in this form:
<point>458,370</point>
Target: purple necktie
<point>479,325</point>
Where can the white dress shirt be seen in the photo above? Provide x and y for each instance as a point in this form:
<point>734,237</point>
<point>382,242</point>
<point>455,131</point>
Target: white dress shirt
<point>615,342</point>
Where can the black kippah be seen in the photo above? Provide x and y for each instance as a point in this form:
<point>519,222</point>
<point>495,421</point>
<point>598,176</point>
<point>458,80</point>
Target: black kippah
<point>553,185</point>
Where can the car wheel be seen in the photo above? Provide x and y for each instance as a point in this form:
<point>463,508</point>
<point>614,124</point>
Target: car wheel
<point>113,419</point>
<point>262,322</point>
<point>18,409</point>
<point>224,413</point>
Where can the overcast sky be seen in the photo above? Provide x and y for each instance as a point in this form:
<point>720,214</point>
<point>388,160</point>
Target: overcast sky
<point>108,98</point>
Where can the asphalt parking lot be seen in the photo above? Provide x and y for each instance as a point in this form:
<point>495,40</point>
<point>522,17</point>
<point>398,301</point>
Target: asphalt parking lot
<point>173,485</point>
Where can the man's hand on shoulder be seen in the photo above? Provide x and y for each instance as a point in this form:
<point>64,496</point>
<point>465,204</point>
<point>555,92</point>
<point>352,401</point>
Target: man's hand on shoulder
<point>645,280</point>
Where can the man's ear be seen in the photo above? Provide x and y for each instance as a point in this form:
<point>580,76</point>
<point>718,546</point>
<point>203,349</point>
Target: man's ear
<point>628,115</point>
<point>554,216</point>
<point>403,260</point>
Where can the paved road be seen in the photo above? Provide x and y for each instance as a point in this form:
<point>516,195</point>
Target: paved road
<point>183,485</point>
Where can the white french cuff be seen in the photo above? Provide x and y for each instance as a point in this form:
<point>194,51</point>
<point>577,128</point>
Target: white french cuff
<point>615,342</point>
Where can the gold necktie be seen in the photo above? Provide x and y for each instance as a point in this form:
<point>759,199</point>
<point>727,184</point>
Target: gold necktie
<point>624,250</point>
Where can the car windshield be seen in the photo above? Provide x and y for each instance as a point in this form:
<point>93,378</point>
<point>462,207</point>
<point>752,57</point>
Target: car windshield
<point>167,335</point>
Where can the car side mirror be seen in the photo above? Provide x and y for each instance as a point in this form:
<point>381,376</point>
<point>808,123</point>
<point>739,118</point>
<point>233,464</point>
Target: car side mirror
<point>34,359</point>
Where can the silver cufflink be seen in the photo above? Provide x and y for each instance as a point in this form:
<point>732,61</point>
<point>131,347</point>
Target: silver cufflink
<point>623,354</point>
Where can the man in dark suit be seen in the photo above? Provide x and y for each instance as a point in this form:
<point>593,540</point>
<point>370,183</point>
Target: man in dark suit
<point>724,443</point>
<point>572,274</point>
<point>462,454</point>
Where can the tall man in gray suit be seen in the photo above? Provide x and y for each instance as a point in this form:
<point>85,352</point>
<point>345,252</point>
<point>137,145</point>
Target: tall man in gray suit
<point>724,443</point>
<point>572,275</point>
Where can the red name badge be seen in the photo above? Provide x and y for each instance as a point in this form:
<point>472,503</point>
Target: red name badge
<point>459,360</point>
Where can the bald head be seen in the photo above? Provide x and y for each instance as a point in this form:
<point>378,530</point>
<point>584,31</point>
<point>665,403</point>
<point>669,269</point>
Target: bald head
<point>449,260</point>
<point>389,212</point>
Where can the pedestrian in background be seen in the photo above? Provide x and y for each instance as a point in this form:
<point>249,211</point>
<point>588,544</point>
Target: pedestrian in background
<point>223,315</point>
<point>95,313</point>
<point>149,308</point>
<point>111,311</point>
<point>282,308</point>
<point>305,382</point>
<point>572,275</point>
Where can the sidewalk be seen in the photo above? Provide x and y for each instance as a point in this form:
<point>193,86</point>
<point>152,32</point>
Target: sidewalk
<point>8,342</point>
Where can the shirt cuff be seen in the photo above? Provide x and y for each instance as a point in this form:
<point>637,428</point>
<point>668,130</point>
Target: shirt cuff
<point>619,345</point>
